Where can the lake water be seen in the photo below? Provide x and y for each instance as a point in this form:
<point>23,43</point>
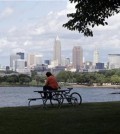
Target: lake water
<point>18,96</point>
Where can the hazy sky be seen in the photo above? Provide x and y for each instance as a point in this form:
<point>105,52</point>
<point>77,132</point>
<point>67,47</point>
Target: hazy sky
<point>32,26</point>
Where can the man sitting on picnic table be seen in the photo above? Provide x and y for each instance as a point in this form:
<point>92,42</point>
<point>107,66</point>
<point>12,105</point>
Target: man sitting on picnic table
<point>50,84</point>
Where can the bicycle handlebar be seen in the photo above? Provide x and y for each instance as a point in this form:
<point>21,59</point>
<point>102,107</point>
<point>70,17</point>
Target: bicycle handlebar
<point>69,90</point>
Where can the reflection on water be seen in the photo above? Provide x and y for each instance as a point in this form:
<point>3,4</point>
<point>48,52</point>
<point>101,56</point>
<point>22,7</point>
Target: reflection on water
<point>18,96</point>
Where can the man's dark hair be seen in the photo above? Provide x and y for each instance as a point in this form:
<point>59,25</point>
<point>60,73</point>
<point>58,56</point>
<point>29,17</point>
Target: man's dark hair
<point>48,74</point>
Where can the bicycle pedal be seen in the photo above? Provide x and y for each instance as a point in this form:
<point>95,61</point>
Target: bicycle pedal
<point>69,99</point>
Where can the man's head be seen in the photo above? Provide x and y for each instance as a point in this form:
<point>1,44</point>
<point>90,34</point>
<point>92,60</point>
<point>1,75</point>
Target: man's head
<point>48,74</point>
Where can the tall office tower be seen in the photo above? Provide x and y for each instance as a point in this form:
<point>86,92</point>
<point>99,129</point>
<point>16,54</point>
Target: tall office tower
<point>95,57</point>
<point>77,57</point>
<point>38,59</point>
<point>114,61</point>
<point>19,64</point>
<point>13,58</point>
<point>57,51</point>
<point>31,60</point>
<point>21,54</point>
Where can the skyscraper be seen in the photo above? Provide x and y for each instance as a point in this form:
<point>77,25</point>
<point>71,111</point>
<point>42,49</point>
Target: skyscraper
<point>34,60</point>
<point>38,59</point>
<point>57,51</point>
<point>95,57</point>
<point>21,54</point>
<point>114,61</point>
<point>13,58</point>
<point>77,57</point>
<point>31,60</point>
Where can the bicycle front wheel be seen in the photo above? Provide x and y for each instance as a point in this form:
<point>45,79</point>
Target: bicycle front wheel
<point>76,98</point>
<point>56,100</point>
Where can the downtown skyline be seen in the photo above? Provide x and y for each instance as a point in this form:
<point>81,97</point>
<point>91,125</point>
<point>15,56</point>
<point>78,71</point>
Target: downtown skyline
<point>32,26</point>
<point>50,54</point>
<point>95,55</point>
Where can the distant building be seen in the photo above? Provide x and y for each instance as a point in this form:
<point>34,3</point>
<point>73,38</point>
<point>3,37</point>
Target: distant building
<point>77,57</point>
<point>13,58</point>
<point>31,60</point>
<point>19,64</point>
<point>41,68</point>
<point>65,62</point>
<point>99,66</point>
<point>7,68</point>
<point>21,54</point>
<point>95,57</point>
<point>88,65</point>
<point>25,63</point>
<point>57,51</point>
<point>47,62</point>
<point>113,61</point>
<point>38,60</point>
<point>58,69</point>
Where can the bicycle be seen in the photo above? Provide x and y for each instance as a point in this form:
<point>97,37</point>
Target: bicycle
<point>60,96</point>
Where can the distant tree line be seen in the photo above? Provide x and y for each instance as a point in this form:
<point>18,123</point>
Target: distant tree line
<point>16,79</point>
<point>84,78</point>
<point>88,78</point>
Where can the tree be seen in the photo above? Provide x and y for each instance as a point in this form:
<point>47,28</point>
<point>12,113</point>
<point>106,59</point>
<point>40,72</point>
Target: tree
<point>24,79</point>
<point>115,79</point>
<point>1,79</point>
<point>100,78</point>
<point>90,13</point>
<point>39,79</point>
<point>62,76</point>
<point>12,79</point>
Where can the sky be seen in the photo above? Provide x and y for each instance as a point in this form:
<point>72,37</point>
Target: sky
<point>31,26</point>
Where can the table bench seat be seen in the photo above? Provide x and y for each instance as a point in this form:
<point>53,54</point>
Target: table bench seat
<point>34,99</point>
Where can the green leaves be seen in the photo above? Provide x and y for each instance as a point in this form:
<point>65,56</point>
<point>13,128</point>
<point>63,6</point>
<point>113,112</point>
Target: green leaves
<point>90,13</point>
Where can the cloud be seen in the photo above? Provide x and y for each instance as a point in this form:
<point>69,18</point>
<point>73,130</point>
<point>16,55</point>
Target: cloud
<point>113,24</point>
<point>27,43</point>
<point>3,42</point>
<point>12,29</point>
<point>70,7</point>
<point>6,12</point>
<point>17,50</point>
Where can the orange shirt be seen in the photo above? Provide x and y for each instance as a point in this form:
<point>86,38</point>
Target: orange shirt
<point>52,82</point>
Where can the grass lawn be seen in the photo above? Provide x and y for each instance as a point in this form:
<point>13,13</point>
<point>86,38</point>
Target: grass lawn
<point>88,118</point>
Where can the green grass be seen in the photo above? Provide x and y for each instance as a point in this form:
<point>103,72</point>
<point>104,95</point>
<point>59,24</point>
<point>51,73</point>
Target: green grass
<point>88,118</point>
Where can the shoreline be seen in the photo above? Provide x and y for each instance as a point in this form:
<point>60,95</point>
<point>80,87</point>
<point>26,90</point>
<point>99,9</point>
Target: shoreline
<point>104,86</point>
<point>68,86</point>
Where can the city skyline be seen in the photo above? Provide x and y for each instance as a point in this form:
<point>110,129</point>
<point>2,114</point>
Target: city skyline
<point>94,60</point>
<point>32,26</point>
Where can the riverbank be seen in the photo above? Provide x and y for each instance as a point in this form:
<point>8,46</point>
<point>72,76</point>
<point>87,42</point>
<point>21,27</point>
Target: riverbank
<point>88,118</point>
<point>67,86</point>
<point>103,86</point>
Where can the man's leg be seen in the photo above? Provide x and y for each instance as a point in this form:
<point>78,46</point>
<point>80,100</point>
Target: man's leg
<point>45,88</point>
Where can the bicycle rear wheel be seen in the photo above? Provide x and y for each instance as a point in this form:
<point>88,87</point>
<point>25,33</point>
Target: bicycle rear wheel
<point>56,100</point>
<point>76,98</point>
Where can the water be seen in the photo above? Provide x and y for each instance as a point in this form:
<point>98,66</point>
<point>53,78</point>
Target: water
<point>18,96</point>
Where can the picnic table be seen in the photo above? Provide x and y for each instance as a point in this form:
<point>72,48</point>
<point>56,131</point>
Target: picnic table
<point>57,97</point>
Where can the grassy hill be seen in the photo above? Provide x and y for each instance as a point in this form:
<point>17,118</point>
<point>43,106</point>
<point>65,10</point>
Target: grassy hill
<point>88,118</point>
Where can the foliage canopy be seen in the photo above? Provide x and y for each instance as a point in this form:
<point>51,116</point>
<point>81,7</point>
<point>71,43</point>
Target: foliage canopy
<point>90,13</point>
